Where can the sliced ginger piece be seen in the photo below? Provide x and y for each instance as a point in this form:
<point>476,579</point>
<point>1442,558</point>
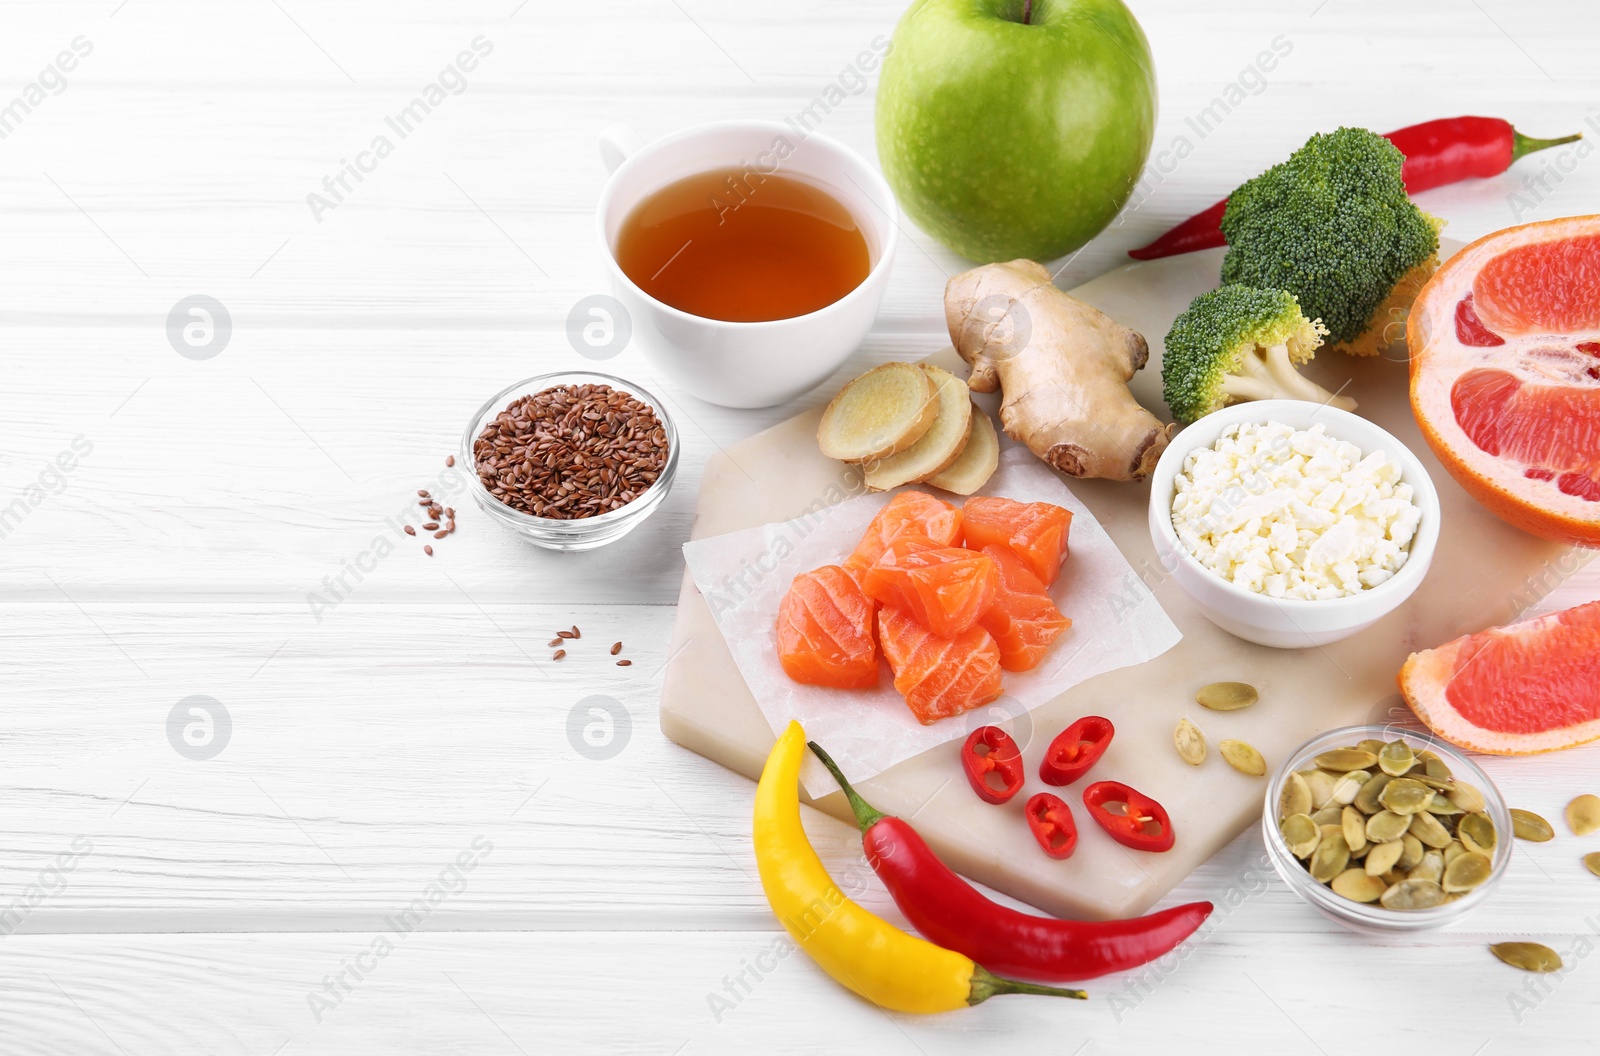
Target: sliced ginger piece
<point>879,414</point>
<point>977,461</point>
<point>938,447</point>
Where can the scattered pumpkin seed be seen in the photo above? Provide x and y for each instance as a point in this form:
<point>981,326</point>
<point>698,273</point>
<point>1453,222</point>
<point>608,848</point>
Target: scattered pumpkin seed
<point>1227,696</point>
<point>1396,758</point>
<point>1357,886</point>
<point>1386,825</point>
<point>1591,862</point>
<point>1583,815</point>
<point>1467,797</point>
<point>1426,828</point>
<point>1330,857</point>
<point>1243,758</point>
<point>1345,759</point>
<point>1301,834</point>
<point>1367,795</point>
<point>1529,956</point>
<point>1412,852</point>
<point>1413,894</point>
<point>1526,825</point>
<point>1467,872</point>
<point>1191,744</point>
<point>1404,795</point>
<point>1430,868</point>
<point>1354,824</point>
<point>1476,831</point>
<point>1382,857</point>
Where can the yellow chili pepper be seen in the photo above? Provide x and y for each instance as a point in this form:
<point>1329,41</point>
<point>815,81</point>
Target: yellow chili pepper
<point>861,950</point>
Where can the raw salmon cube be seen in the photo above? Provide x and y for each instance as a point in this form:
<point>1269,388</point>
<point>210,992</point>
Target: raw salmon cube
<point>939,677</point>
<point>1023,620</point>
<point>910,513</point>
<point>945,590</point>
<point>1034,531</point>
<point>825,631</point>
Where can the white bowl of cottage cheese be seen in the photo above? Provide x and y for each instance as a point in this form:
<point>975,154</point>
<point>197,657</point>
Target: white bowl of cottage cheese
<point>1292,524</point>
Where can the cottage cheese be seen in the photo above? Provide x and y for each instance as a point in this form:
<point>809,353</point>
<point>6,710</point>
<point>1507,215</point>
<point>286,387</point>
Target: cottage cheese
<point>1294,513</point>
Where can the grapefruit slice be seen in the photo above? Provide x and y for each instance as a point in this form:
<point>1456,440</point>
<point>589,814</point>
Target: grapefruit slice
<point>1505,374</point>
<point>1528,687</point>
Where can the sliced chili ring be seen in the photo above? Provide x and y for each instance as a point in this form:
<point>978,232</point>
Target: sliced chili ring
<point>991,751</point>
<point>1141,823</point>
<point>1075,750</point>
<point>1052,824</point>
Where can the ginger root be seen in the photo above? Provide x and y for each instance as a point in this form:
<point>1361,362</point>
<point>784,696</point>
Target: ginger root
<point>1062,368</point>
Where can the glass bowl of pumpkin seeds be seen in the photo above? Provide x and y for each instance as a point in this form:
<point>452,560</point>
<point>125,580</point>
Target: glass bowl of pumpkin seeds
<point>1384,829</point>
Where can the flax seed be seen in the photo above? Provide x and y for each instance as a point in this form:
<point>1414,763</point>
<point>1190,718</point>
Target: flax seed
<point>560,653</point>
<point>616,648</point>
<point>563,634</point>
<point>410,530</point>
<point>428,550</point>
<point>624,663</point>
<point>450,460</point>
<point>431,526</point>
<point>440,535</point>
<point>554,642</point>
<point>575,632</point>
<point>422,493</point>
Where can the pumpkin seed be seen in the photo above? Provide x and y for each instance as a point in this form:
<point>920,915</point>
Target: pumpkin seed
<point>1529,956</point>
<point>1393,876</point>
<point>1331,814</point>
<point>1441,806</point>
<point>1426,828</point>
<point>1321,783</point>
<point>1436,783</point>
<point>1404,795</point>
<point>1396,758</point>
<point>1295,797</point>
<point>1347,787</point>
<point>1467,872</point>
<point>1243,758</point>
<point>1413,894</point>
<point>1383,856</point>
<point>1191,744</point>
<point>1335,829</point>
<point>1437,770</point>
<point>1466,797</point>
<point>1583,815</point>
<point>1386,825</point>
<point>1354,824</point>
<point>1344,759</point>
<point>1455,850</point>
<point>1412,852</point>
<point>1370,745</point>
<point>1357,886</point>
<point>1330,857</point>
<point>1591,862</point>
<point>1430,868</point>
<point>1476,831</point>
<point>1300,834</point>
<point>1227,696</point>
<point>1526,825</point>
<point>1367,795</point>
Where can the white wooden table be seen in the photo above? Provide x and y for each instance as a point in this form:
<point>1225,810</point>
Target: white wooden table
<point>166,903</point>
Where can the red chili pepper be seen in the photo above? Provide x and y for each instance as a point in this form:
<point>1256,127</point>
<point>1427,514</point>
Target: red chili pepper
<point>1051,823</point>
<point>1075,750</point>
<point>952,913</point>
<point>1142,823</point>
<point>1437,153</point>
<point>1000,756</point>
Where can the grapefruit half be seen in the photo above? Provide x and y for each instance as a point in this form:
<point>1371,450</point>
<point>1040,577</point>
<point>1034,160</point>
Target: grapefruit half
<point>1527,687</point>
<point>1505,374</point>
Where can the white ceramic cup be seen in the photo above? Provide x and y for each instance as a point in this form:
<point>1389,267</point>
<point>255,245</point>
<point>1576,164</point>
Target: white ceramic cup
<point>747,364</point>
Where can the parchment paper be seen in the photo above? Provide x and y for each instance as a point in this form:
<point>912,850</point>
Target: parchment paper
<point>744,575</point>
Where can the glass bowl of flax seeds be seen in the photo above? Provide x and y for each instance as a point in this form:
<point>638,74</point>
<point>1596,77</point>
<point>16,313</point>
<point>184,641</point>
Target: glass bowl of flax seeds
<point>571,460</point>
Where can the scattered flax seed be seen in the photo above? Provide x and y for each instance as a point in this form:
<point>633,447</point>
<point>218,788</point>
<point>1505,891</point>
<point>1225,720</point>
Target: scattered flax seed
<point>435,511</point>
<point>450,512</point>
<point>431,526</point>
<point>616,648</point>
<point>560,653</point>
<point>575,632</point>
<point>440,534</point>
<point>428,550</point>
<point>556,641</point>
<point>624,663</point>
<point>563,634</point>
<point>424,502</point>
<point>410,530</point>
<point>450,460</point>
<point>422,493</point>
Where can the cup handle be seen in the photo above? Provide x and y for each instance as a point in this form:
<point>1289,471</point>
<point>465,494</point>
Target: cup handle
<point>616,143</point>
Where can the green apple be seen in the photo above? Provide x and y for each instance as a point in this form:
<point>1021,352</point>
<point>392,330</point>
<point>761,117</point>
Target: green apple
<point>1015,128</point>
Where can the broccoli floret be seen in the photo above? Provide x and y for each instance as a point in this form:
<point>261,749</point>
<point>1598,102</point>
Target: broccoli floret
<point>1240,343</point>
<point>1333,226</point>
